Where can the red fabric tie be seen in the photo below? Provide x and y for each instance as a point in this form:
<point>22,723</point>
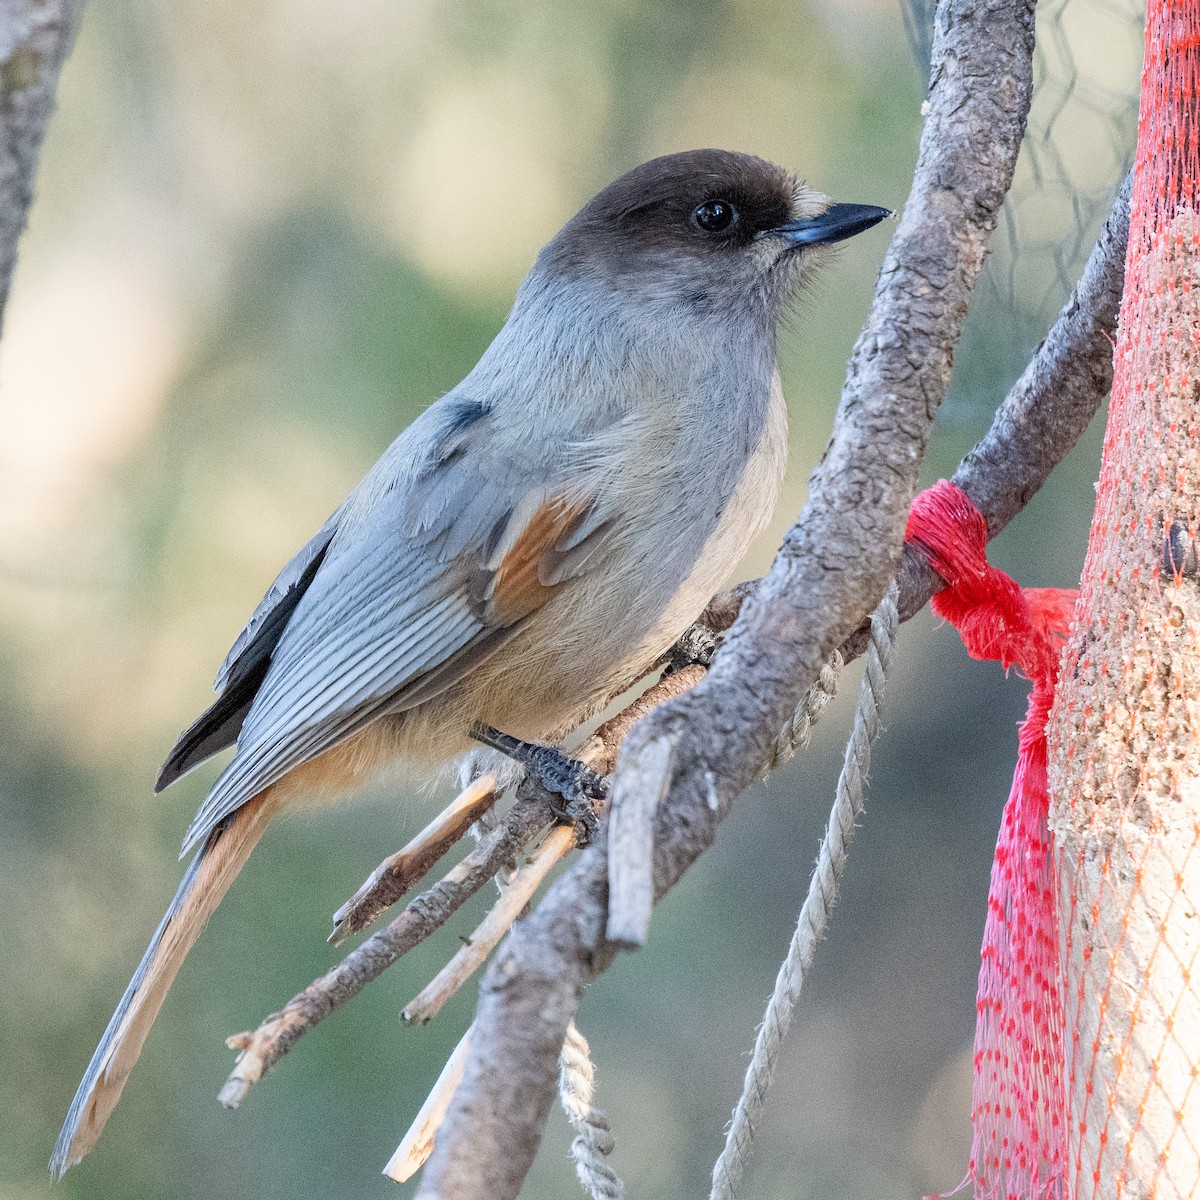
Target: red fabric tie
<point>1018,1104</point>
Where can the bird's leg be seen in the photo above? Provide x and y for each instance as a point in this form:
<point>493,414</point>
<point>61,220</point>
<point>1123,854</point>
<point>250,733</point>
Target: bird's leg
<point>574,781</point>
<point>697,644</point>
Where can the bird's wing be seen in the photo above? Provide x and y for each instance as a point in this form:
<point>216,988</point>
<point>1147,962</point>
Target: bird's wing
<point>425,577</point>
<point>246,664</point>
<point>268,619</point>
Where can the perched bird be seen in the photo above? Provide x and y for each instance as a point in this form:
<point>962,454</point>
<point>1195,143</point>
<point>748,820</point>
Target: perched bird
<point>534,540</point>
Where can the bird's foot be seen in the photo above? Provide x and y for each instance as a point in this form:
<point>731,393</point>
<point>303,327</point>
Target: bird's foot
<point>575,782</point>
<point>697,644</point>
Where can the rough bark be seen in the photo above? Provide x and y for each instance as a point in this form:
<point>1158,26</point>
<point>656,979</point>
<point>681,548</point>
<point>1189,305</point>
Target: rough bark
<point>1035,426</point>
<point>35,38</point>
<point>1048,408</point>
<point>832,570</point>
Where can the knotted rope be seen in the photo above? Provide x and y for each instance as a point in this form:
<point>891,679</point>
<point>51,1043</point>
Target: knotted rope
<point>594,1141</point>
<point>796,733</point>
<point>822,894</point>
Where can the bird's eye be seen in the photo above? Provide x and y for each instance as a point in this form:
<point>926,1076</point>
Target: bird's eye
<point>714,216</point>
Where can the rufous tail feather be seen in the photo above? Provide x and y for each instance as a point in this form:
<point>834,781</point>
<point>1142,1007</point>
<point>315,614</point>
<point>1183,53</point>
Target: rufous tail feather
<point>214,868</point>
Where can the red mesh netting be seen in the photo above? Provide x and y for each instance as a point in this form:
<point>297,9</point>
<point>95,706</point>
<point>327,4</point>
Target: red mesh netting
<point>1017,1152</point>
<point>1125,731</point>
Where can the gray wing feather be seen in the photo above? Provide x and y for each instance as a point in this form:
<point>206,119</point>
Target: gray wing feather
<point>390,617</point>
<point>334,671</point>
<point>268,619</point>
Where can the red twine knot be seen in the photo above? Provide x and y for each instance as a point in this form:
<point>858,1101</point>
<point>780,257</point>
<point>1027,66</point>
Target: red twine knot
<point>1017,1152</point>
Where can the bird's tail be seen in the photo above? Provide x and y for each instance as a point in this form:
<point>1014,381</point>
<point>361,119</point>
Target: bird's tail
<point>214,868</point>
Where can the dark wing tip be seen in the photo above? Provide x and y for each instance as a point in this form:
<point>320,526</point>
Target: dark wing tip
<point>212,731</point>
<point>174,768</point>
<point>216,728</point>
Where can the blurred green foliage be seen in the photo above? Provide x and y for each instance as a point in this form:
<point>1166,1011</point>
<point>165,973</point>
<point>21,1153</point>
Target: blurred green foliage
<point>266,236</point>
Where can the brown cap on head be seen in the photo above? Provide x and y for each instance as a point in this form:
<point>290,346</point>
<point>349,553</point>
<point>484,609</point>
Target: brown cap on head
<point>664,202</point>
<point>705,217</point>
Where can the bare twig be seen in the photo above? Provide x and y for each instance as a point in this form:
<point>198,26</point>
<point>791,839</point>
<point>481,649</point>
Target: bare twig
<point>471,956</point>
<point>417,1144</point>
<point>398,872</point>
<point>832,570</point>
<point>262,1048</point>
<point>533,811</point>
<point>1034,428</point>
<point>589,1149</point>
<point>35,38</point>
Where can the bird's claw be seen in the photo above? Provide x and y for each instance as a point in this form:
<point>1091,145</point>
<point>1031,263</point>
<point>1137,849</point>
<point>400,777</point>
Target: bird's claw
<point>576,782</point>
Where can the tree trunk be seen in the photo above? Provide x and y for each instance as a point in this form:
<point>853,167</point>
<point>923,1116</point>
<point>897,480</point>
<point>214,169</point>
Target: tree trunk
<point>35,37</point>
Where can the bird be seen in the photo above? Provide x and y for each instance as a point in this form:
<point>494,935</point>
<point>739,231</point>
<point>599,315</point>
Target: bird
<point>532,542</point>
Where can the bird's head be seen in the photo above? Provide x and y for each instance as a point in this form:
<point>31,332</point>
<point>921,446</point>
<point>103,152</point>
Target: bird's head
<point>709,231</point>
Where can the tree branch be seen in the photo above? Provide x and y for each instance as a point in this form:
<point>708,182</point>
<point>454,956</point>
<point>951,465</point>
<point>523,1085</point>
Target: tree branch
<point>1036,425</point>
<point>398,872</point>
<point>533,811</point>
<point>275,1036</point>
<point>35,38</point>
<point>1048,408</point>
<point>833,568</point>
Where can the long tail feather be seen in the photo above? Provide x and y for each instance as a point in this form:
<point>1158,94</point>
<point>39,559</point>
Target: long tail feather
<point>214,868</point>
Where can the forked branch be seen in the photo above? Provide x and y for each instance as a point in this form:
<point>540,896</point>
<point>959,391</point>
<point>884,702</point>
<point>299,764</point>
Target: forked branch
<point>1039,421</point>
<point>533,812</point>
<point>534,989</point>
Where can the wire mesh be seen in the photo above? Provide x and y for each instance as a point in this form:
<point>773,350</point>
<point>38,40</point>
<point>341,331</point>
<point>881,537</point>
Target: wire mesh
<point>1078,147</point>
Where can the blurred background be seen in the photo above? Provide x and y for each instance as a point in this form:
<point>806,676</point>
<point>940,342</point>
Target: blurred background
<point>266,235</point>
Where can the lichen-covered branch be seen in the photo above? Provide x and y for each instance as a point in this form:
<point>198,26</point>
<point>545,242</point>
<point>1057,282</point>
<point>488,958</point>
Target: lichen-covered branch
<point>832,570</point>
<point>35,38</point>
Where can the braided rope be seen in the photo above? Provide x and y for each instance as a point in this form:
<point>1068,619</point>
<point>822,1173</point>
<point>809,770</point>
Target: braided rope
<point>796,733</point>
<point>814,916</point>
<point>594,1141</point>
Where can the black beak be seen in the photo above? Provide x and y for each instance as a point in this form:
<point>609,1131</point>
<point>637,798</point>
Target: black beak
<point>835,224</point>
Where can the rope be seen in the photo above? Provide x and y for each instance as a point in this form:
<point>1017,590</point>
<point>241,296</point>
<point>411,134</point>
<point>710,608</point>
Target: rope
<point>594,1141</point>
<point>822,894</point>
<point>796,733</point>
